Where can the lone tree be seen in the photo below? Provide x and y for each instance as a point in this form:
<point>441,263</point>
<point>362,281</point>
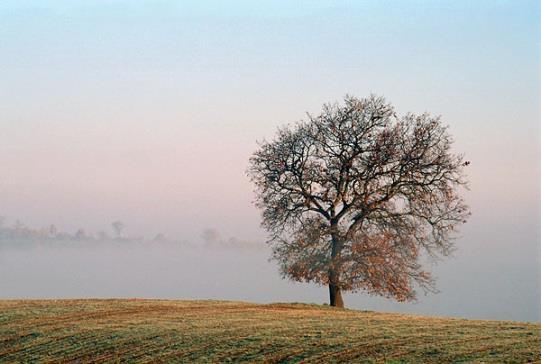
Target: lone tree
<point>353,197</point>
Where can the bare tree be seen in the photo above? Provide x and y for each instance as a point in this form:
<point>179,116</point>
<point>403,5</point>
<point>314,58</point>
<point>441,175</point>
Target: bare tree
<point>80,235</point>
<point>159,238</point>
<point>118,226</point>
<point>353,197</point>
<point>53,231</point>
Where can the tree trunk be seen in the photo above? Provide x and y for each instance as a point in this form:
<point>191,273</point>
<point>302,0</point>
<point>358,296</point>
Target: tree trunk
<point>335,295</point>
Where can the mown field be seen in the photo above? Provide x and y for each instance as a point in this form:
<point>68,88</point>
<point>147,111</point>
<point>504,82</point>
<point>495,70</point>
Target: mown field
<point>211,331</point>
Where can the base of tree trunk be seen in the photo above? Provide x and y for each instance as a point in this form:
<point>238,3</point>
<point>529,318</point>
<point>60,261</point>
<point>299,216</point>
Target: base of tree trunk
<point>335,295</point>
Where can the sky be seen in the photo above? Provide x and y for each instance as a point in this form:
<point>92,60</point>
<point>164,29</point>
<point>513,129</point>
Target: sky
<point>147,112</point>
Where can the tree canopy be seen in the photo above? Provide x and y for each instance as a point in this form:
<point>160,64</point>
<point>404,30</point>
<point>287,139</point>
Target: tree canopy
<point>354,196</point>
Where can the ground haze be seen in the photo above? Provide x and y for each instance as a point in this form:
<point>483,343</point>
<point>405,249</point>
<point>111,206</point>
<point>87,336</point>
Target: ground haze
<point>218,331</point>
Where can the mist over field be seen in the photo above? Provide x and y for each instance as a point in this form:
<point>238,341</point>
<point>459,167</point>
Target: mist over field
<point>213,267</point>
<point>148,112</point>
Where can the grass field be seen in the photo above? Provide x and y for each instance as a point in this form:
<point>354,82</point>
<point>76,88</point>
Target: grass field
<point>213,331</point>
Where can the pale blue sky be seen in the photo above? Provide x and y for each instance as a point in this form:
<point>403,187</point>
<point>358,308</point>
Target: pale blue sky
<point>147,111</point>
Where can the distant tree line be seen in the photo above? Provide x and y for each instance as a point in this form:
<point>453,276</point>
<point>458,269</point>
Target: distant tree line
<point>20,232</point>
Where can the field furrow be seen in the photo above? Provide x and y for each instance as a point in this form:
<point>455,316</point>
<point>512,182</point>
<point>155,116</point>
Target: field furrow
<point>162,331</point>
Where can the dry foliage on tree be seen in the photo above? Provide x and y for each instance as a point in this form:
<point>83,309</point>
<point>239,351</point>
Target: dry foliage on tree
<point>354,196</point>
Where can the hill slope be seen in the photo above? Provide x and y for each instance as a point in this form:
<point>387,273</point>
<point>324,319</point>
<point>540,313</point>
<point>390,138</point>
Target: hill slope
<point>187,331</point>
